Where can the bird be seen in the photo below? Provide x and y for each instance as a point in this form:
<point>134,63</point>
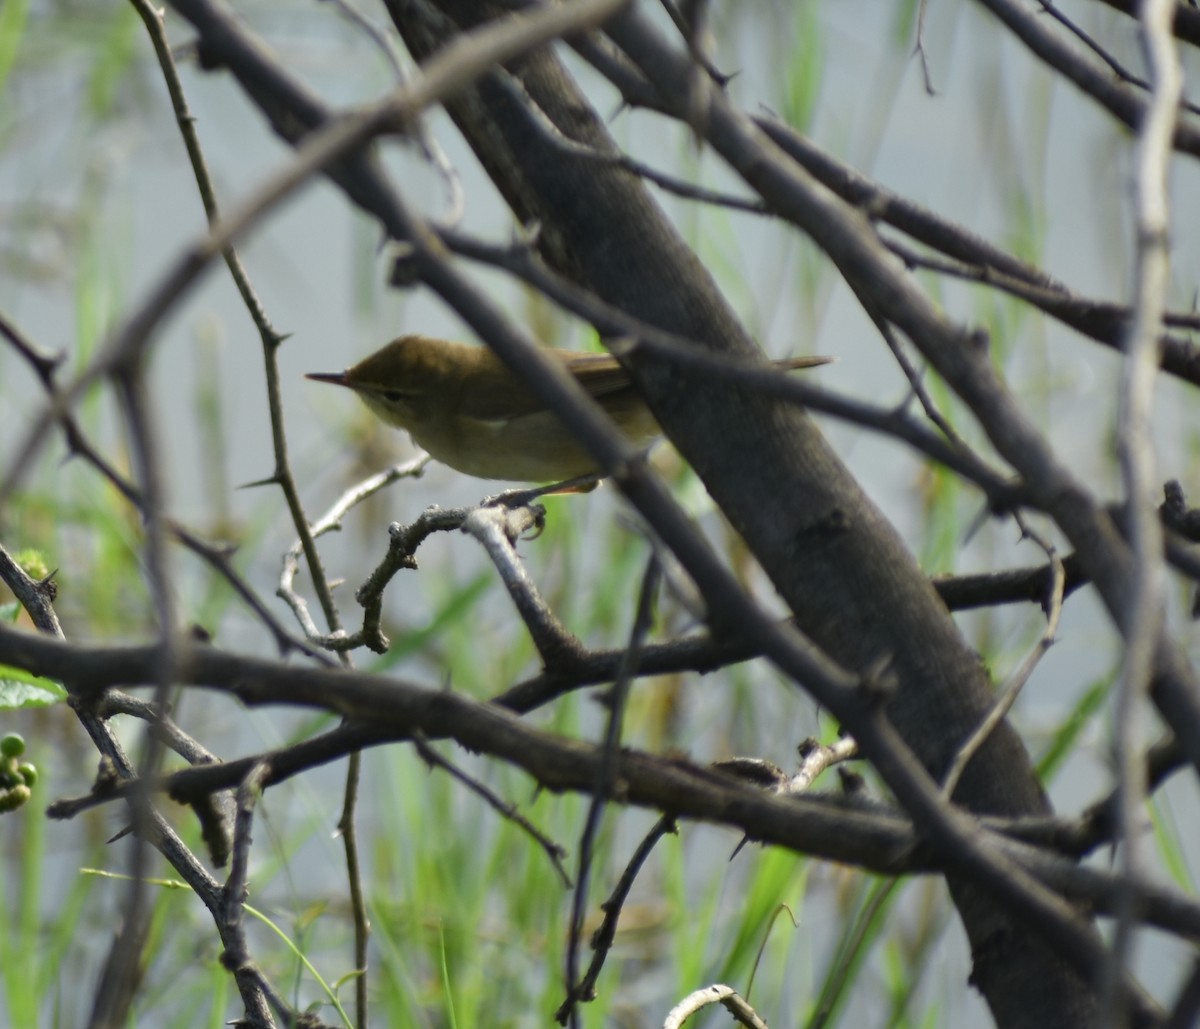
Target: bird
<point>463,406</point>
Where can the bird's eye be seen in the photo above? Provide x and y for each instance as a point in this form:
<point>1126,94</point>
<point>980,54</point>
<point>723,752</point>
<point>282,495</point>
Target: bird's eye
<point>394,395</point>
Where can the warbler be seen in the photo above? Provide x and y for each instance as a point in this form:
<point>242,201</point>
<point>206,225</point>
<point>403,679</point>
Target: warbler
<point>465,408</point>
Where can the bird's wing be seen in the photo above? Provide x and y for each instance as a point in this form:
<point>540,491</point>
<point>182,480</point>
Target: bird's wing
<point>599,374</point>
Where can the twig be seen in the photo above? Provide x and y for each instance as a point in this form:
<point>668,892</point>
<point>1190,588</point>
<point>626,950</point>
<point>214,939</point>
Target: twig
<point>815,758</point>
<point>271,340</point>
<point>215,555</point>
<point>497,529</point>
<point>321,150</point>
<point>1118,69</point>
<point>919,48</point>
<point>1101,320</point>
<point>330,522</point>
<point>840,829</point>
<point>554,851</point>
<point>626,335</point>
<point>716,994</point>
<point>35,596</point>
<point>605,934</point>
<point>1055,591</point>
<point>538,122</point>
<point>1143,616</point>
<point>114,994</point>
<point>915,381</point>
<point>430,147</point>
<point>606,786</point>
<point>1123,103</point>
<point>1187,1002</point>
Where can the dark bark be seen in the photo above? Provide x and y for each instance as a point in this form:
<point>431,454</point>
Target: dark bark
<point>853,586</point>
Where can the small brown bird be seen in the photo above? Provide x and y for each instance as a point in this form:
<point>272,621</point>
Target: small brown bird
<point>463,406</point>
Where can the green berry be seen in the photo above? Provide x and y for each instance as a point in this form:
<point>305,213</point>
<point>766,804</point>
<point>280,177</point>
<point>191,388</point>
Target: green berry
<point>13,745</point>
<point>28,772</point>
<point>12,799</point>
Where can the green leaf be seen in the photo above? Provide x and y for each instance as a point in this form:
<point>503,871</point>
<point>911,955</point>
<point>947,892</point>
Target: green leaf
<point>114,53</point>
<point>1080,717</point>
<point>19,688</point>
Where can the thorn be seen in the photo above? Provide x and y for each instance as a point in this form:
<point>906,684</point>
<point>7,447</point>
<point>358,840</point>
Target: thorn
<point>271,480</point>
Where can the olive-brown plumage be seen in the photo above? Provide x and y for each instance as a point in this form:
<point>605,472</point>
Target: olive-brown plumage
<point>463,406</point>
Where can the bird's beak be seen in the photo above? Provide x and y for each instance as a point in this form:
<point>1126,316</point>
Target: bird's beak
<point>337,378</point>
